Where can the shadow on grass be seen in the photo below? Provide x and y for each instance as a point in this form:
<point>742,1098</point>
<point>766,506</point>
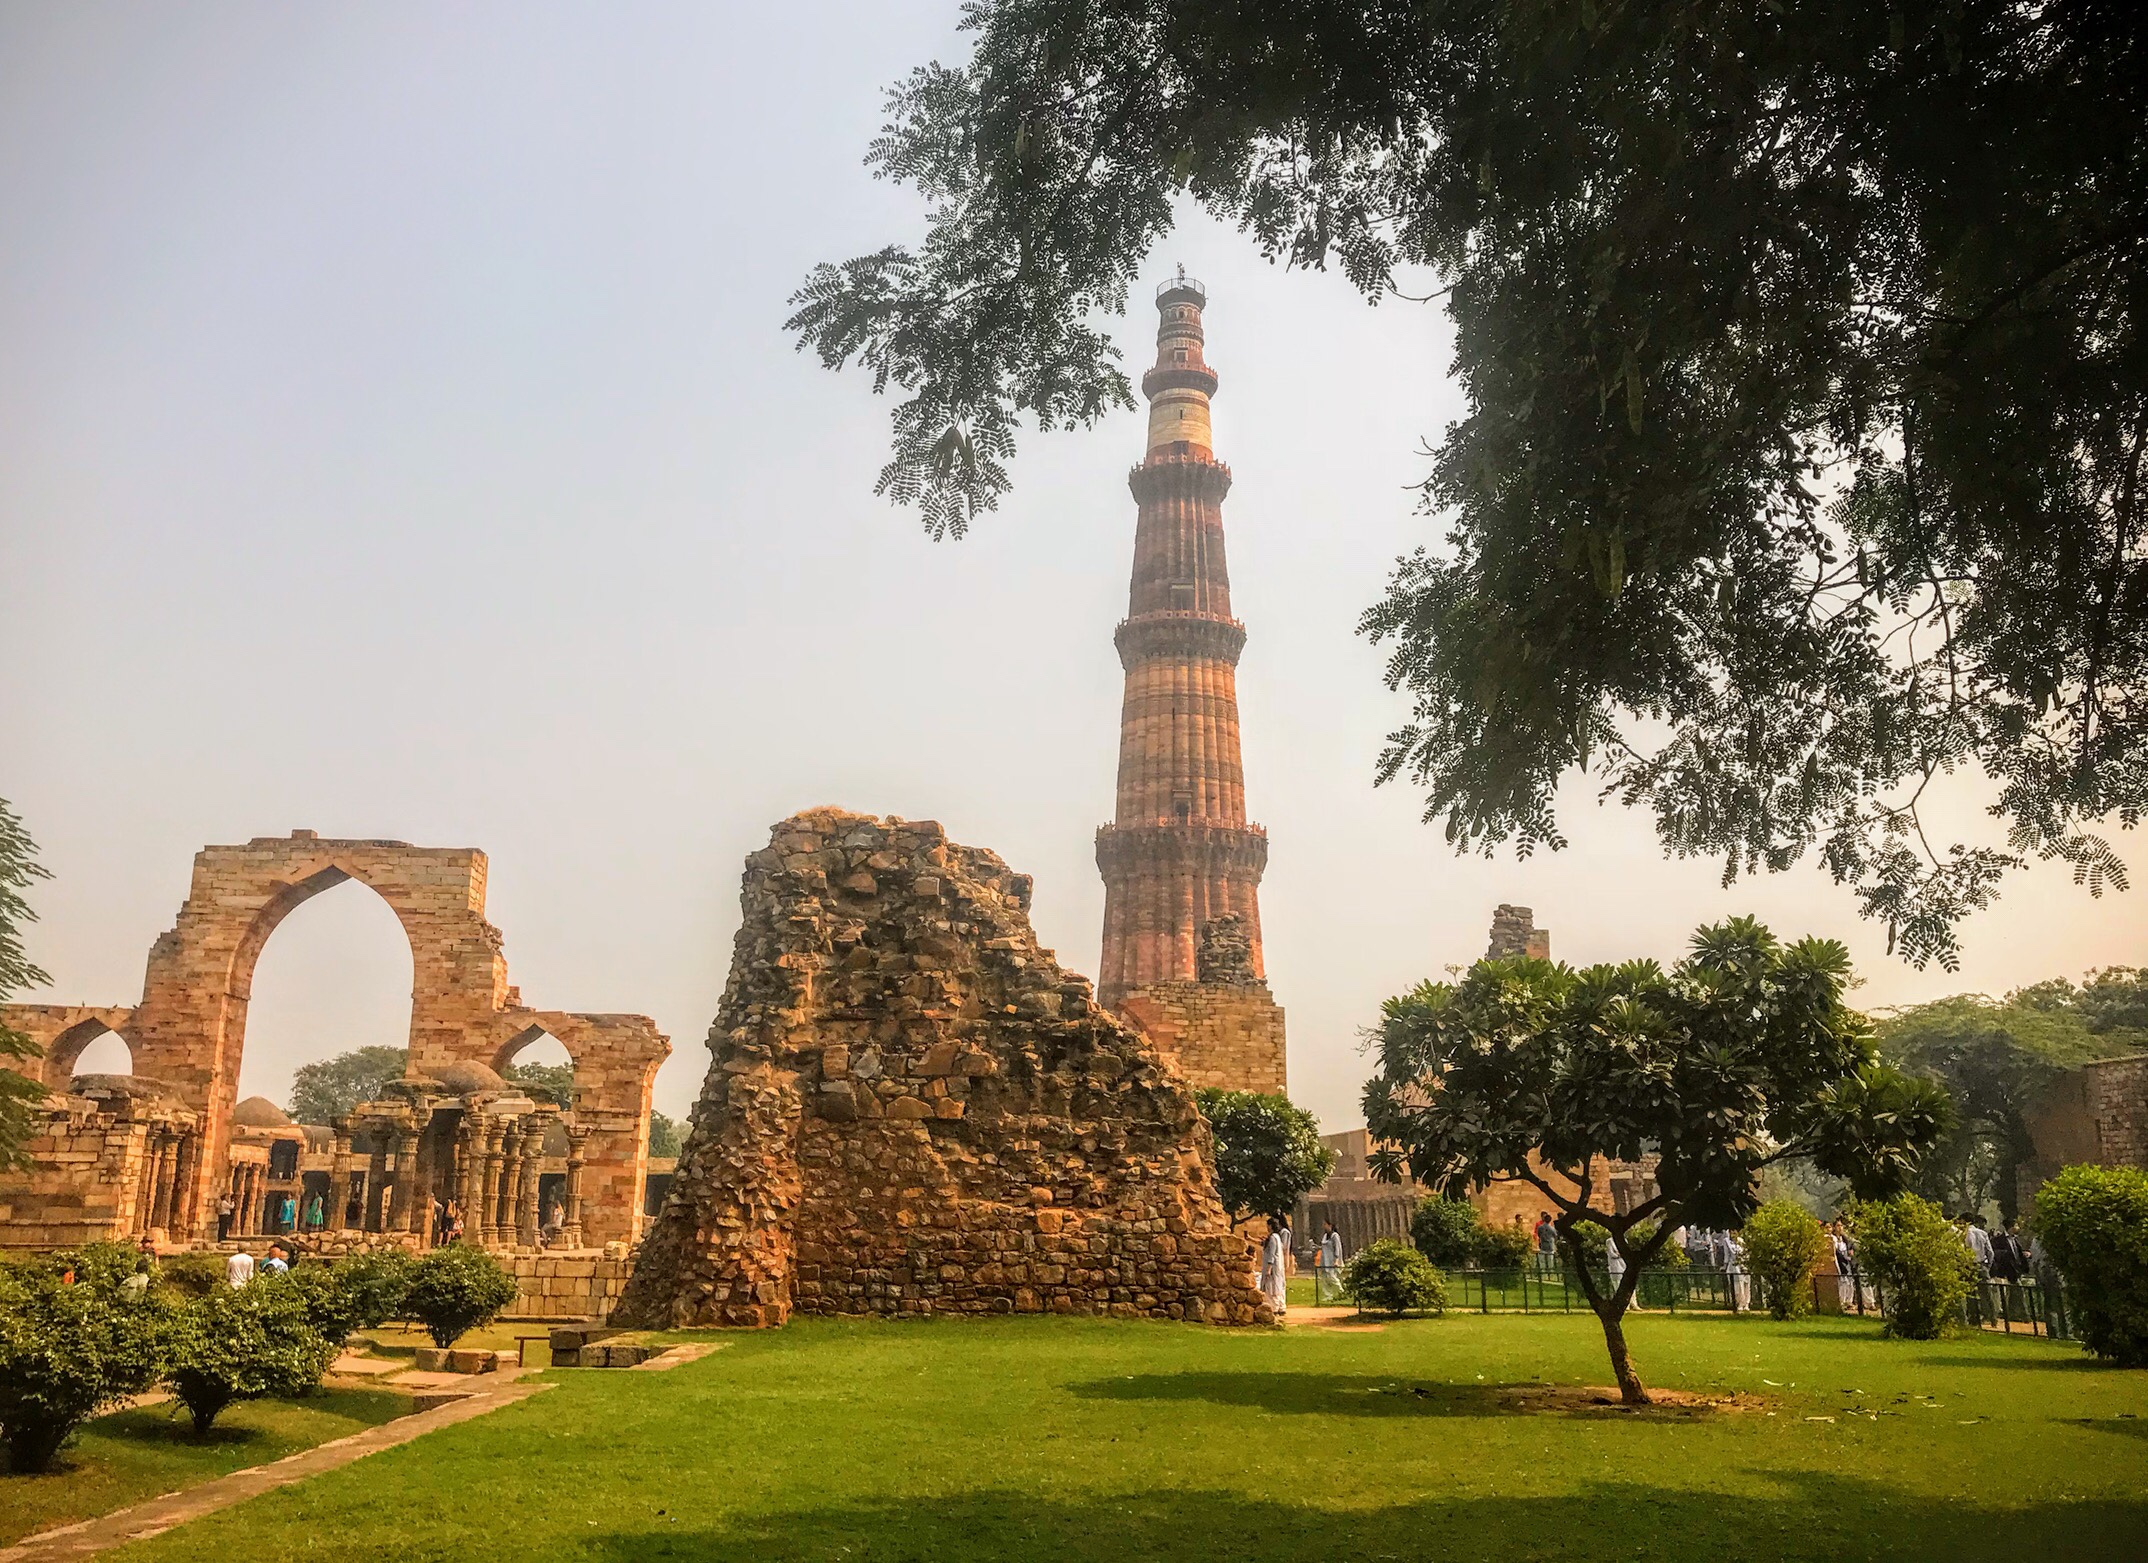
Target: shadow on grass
<point>2055,1362</point>
<point>1812,1516</point>
<point>2124,1426</point>
<point>161,1425</point>
<point>1329,1394</point>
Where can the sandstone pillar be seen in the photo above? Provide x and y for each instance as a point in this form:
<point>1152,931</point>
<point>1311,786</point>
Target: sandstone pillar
<point>374,1214</point>
<point>339,1179</point>
<point>424,1157</point>
<point>532,1163</point>
<point>470,1169</point>
<point>485,1220</point>
<point>577,1157</point>
<point>406,1177</point>
<point>145,1181</point>
<point>160,1180</point>
<point>184,1183</point>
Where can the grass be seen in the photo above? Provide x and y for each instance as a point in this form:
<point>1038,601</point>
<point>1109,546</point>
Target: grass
<point>131,1455</point>
<point>1087,1439</point>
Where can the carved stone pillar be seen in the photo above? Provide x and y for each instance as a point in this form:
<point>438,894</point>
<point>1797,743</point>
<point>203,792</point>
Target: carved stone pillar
<point>374,1216</point>
<point>184,1182</point>
<point>406,1176</point>
<point>577,1153</point>
<point>339,1178</point>
<point>145,1182</point>
<point>526,1213</point>
<point>424,1151</point>
<point>488,1196</point>
<point>160,1180</point>
<point>470,1173</point>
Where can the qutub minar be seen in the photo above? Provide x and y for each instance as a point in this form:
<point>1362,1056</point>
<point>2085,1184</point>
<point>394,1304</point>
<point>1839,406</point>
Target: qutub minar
<point>1181,862</point>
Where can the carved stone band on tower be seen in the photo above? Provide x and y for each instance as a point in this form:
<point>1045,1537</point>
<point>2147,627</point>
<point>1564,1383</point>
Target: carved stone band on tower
<point>1180,852</point>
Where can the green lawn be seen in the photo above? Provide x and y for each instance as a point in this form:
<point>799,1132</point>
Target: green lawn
<point>132,1455</point>
<point>1034,1438</point>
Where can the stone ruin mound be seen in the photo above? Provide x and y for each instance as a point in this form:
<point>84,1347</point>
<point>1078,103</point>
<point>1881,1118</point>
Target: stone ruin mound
<point>911,1109</point>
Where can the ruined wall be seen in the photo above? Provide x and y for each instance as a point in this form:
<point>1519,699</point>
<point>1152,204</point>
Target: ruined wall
<point>2096,1114</point>
<point>565,1286</point>
<point>190,1028</point>
<point>912,1109</point>
<point>1225,1038</point>
<point>1514,932</point>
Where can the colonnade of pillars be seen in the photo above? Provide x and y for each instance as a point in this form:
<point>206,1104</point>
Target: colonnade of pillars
<point>171,1166</point>
<point>249,1192</point>
<point>487,1168</point>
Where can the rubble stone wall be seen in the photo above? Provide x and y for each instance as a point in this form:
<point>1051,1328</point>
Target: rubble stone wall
<point>912,1109</point>
<point>1224,1037</point>
<point>84,1184</point>
<point>2096,1115</point>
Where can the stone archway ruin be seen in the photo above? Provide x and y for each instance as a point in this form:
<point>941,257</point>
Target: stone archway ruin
<point>189,1030</point>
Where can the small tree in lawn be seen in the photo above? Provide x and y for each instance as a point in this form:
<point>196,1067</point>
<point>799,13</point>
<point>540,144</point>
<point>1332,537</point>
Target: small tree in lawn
<point>68,1352</point>
<point>454,1290</point>
<point>1783,1247</point>
<point>355,1293</point>
<point>1268,1153</point>
<point>1918,1260</point>
<point>1392,1277</point>
<point>243,1343</point>
<point>1741,1056</point>
<point>2094,1224</point>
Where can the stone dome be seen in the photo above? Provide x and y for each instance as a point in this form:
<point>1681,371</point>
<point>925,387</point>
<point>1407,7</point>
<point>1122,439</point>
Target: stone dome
<point>258,1112</point>
<point>466,1077</point>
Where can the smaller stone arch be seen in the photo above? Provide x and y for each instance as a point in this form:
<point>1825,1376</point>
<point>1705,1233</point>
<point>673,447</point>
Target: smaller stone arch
<point>61,1032</point>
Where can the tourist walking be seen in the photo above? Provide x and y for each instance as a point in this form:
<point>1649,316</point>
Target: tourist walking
<point>1274,1257</point>
<point>2007,1259</point>
<point>239,1269</point>
<point>1330,1266</point>
<point>1979,1241</point>
<point>1547,1244</point>
<point>1614,1261</point>
<point>287,1213</point>
<point>278,1261</point>
<point>316,1213</point>
<point>1845,1264</point>
<point>226,1208</point>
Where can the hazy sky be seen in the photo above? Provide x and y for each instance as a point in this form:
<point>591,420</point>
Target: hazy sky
<point>398,438</point>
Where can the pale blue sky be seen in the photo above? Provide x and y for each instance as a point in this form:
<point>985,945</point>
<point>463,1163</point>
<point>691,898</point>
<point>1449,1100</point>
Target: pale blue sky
<point>398,438</point>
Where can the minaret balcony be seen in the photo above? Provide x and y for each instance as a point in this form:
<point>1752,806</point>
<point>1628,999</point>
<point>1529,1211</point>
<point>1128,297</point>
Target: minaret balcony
<point>1201,846</point>
<point>1180,470</point>
<point>1178,634</point>
<point>1179,377</point>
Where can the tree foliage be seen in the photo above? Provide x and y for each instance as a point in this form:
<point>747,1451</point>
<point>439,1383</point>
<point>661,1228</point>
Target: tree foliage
<point>552,1083</point>
<point>328,1089</point>
<point>1452,1234</point>
<point>456,1289</point>
<point>359,1291</point>
<point>19,1095</point>
<point>1268,1153</point>
<point>67,1353</point>
<point>1923,1268</point>
<point>1784,1245</point>
<point>1993,1058</point>
<point>243,1343</point>
<point>1741,1056</point>
<point>664,1136</point>
<point>2094,1225</point>
<point>1802,349</point>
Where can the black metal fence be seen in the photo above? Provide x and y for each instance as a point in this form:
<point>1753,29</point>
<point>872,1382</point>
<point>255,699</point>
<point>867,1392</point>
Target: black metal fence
<point>2035,1306</point>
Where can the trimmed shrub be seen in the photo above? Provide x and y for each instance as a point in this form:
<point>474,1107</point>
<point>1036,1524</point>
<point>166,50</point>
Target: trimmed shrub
<point>244,1343</point>
<point>355,1293</point>
<point>456,1289</point>
<point>68,1352</point>
<point>1391,1277</point>
<point>1923,1267</point>
<point>2094,1226</point>
<point>1445,1231</point>
<point>1451,1234</point>
<point>1784,1244</point>
<point>101,1265</point>
<point>193,1274</point>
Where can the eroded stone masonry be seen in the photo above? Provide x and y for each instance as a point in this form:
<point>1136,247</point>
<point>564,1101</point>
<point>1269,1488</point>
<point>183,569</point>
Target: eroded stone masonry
<point>911,1108</point>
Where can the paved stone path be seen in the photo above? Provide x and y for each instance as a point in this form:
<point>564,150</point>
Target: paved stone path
<point>88,1537</point>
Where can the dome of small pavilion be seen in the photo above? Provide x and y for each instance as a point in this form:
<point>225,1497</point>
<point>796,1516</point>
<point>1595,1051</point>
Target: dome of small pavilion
<point>466,1077</point>
<point>258,1112</point>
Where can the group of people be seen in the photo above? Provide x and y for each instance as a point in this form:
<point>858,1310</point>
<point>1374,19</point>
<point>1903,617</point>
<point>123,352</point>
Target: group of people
<point>2004,1255</point>
<point>239,1269</point>
<point>283,1217</point>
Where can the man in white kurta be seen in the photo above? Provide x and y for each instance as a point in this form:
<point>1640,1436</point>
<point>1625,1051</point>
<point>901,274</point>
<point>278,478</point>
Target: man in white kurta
<point>1273,1255</point>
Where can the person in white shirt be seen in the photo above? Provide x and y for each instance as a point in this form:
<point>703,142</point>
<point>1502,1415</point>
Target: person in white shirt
<point>1979,1242</point>
<point>1331,1256</point>
<point>239,1268</point>
<point>1273,1256</point>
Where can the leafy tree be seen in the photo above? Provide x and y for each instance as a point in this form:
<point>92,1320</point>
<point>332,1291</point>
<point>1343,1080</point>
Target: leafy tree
<point>19,1094</point>
<point>454,1290</point>
<point>1917,1256</point>
<point>67,1353</point>
<point>1784,1245</point>
<point>546,1082</point>
<point>1452,1234</point>
<point>664,1136</point>
<point>1391,1277</point>
<point>1993,1059</point>
<point>1741,1056</point>
<point>1805,448</point>
<point>243,1343</point>
<point>1268,1153</point>
<point>2094,1225</point>
<point>324,1091</point>
<point>2112,1002</point>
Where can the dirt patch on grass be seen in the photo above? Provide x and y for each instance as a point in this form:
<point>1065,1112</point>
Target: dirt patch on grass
<point>1593,1400</point>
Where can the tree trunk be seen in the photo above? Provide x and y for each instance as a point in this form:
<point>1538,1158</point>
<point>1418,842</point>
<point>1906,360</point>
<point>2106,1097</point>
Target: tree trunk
<point>1631,1391</point>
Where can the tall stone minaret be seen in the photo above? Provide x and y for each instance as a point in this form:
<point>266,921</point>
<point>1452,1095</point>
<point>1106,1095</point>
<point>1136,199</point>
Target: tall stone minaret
<point>1180,854</point>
